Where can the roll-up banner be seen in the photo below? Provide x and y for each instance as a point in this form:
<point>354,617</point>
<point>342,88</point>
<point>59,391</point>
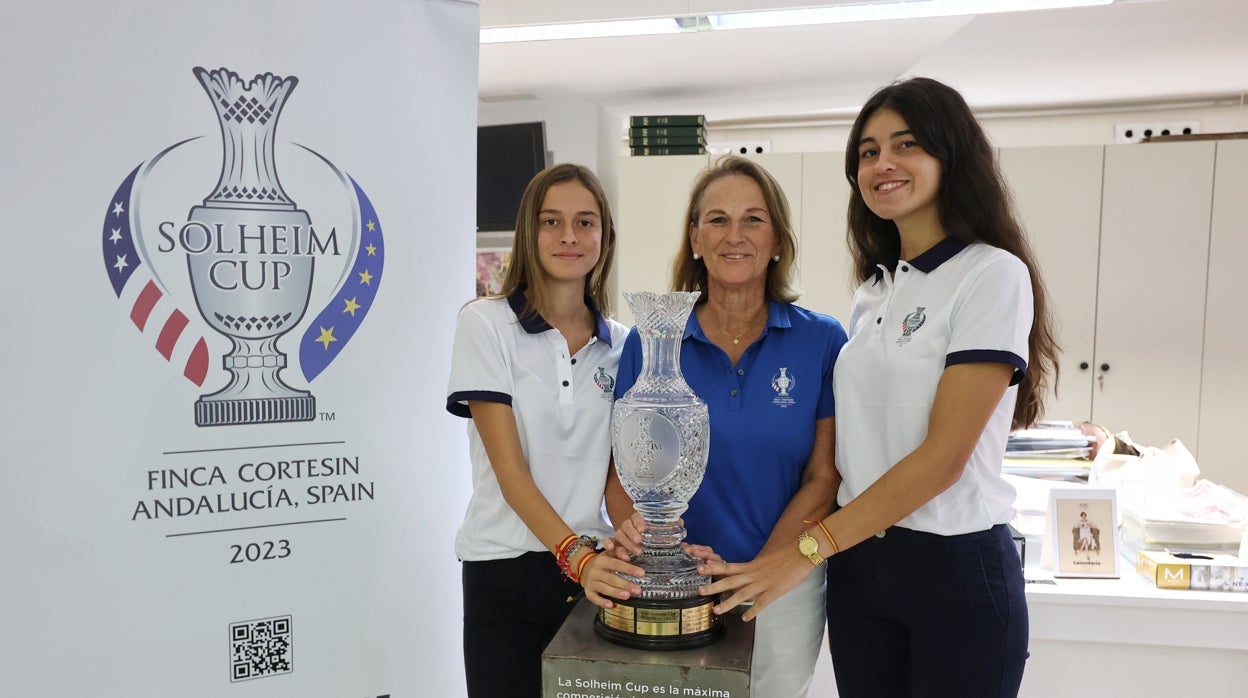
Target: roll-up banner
<point>237,234</point>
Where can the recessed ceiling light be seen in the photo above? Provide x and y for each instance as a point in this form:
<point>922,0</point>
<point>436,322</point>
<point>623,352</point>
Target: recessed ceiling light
<point>858,12</point>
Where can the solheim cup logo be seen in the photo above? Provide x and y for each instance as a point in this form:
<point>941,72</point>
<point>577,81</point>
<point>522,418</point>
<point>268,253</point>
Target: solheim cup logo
<point>248,256</point>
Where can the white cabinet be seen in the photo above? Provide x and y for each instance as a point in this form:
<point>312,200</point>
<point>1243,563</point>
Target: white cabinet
<point>1224,379</point>
<point>651,204</point>
<point>1124,248</point>
<point>1057,196</point>
<point>1151,295</point>
<point>825,272</point>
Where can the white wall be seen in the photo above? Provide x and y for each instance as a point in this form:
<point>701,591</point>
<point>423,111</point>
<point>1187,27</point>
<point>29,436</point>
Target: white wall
<point>571,125</point>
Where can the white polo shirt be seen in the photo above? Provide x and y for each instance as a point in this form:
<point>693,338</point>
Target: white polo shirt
<point>955,303</point>
<point>562,405</point>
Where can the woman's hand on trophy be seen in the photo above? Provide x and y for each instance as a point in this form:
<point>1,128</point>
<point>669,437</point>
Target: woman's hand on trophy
<point>601,582</point>
<point>702,552</point>
<point>627,539</point>
<point>761,580</point>
<point>614,549</point>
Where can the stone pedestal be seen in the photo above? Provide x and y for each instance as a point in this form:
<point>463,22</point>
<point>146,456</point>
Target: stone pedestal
<point>579,664</point>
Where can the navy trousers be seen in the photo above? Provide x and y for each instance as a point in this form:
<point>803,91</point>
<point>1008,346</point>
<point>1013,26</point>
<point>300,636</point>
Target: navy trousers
<point>512,610</point>
<point>914,614</point>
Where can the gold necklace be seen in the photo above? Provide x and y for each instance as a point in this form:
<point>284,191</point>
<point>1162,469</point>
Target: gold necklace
<point>749,329</point>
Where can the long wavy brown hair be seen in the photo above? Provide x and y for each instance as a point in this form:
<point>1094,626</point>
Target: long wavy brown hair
<point>689,274</point>
<point>526,269</point>
<point>974,205</point>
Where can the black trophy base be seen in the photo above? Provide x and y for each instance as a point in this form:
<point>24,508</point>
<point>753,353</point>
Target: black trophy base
<point>667,624</point>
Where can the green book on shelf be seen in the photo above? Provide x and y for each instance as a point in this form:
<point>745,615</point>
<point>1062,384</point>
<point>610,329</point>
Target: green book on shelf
<point>668,120</point>
<point>668,150</point>
<point>635,141</point>
<point>667,132</point>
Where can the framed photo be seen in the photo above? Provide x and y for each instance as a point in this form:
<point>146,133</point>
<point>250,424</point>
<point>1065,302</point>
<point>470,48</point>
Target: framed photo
<point>491,270</point>
<point>493,258</point>
<point>1083,524</point>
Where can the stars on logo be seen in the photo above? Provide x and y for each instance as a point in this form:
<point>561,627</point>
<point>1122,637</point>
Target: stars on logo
<point>327,336</point>
<point>121,263</point>
<point>115,237</point>
<point>352,302</point>
<point>118,209</point>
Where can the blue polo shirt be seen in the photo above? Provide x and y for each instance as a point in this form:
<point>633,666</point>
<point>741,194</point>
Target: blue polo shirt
<point>763,413</point>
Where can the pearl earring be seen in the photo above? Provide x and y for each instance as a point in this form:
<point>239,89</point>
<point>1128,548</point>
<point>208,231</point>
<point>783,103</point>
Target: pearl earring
<point>776,258</point>
<point>696,256</point>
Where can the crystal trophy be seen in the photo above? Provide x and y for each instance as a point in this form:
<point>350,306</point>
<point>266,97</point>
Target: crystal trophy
<point>252,262</point>
<point>660,433</point>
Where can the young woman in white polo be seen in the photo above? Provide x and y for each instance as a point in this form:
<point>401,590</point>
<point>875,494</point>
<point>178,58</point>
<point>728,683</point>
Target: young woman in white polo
<point>950,346</point>
<point>534,369</point>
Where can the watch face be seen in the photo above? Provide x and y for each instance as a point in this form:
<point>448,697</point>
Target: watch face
<point>807,545</point>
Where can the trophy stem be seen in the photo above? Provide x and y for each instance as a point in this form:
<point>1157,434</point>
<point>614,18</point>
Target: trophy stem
<point>663,532</point>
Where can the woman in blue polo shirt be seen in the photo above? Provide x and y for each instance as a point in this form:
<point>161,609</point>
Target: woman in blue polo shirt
<point>764,367</point>
<point>951,345</point>
<point>534,369</point>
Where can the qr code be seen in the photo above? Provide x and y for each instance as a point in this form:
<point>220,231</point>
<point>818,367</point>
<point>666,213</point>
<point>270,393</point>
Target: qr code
<point>260,648</point>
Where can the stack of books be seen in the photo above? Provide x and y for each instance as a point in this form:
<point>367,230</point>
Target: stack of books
<point>1055,450</point>
<point>677,134</point>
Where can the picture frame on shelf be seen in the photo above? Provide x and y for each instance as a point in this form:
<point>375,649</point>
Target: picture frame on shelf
<point>493,259</point>
<point>1083,524</point>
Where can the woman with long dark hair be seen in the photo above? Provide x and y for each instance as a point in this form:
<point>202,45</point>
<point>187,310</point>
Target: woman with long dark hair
<point>951,346</point>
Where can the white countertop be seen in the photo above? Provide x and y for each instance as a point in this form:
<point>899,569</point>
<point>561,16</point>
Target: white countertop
<point>1130,610</point>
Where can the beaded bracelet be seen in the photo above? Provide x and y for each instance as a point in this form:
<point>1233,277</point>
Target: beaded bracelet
<point>835,548</point>
<point>566,552</point>
<point>563,544</point>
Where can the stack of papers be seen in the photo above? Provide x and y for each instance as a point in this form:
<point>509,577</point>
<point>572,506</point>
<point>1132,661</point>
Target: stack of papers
<point>1206,517</point>
<point>1050,450</point>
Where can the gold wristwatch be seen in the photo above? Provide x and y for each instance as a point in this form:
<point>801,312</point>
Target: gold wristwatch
<point>809,547</point>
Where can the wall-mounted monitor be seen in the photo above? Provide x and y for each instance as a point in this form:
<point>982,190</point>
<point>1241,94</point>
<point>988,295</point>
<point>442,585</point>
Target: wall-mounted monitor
<point>508,156</point>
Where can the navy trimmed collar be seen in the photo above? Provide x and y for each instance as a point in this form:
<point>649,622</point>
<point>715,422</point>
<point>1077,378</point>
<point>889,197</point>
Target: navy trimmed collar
<point>536,324</point>
<point>777,316</point>
<point>935,256</point>
<point>938,254</point>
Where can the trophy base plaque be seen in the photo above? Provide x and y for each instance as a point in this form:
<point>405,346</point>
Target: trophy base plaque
<point>660,624</point>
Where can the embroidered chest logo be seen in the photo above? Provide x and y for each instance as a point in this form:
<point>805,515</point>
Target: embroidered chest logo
<point>604,382</point>
<point>911,324</point>
<point>783,384</point>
